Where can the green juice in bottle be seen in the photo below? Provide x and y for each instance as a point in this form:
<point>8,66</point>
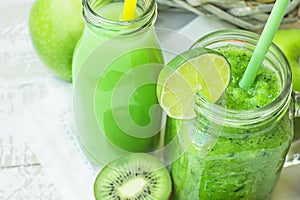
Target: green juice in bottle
<point>115,69</point>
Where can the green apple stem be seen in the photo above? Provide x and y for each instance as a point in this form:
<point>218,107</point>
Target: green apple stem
<point>264,43</point>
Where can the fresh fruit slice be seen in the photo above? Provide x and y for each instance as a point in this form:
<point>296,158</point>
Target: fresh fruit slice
<point>134,176</point>
<point>197,70</point>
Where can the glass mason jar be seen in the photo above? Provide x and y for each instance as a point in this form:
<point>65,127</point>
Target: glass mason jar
<point>115,69</point>
<point>233,154</point>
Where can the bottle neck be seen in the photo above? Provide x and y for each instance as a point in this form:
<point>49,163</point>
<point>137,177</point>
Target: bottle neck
<point>99,23</point>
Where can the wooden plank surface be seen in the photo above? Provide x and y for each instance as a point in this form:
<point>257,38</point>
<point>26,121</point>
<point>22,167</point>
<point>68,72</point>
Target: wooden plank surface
<point>21,174</point>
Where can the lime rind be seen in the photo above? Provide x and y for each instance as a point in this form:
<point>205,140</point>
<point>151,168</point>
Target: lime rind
<point>199,70</point>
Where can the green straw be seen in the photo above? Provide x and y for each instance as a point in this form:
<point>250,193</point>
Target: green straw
<point>264,43</point>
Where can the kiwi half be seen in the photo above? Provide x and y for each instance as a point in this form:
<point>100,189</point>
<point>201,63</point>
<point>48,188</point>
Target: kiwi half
<point>136,176</point>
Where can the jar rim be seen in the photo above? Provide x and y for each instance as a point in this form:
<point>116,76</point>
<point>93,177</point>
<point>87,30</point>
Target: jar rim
<point>257,114</point>
<point>95,19</point>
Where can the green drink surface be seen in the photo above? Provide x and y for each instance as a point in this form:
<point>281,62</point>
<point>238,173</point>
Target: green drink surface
<point>264,90</point>
<point>236,163</point>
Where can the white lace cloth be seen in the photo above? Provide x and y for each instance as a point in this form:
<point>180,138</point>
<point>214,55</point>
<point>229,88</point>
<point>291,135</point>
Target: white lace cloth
<point>36,109</point>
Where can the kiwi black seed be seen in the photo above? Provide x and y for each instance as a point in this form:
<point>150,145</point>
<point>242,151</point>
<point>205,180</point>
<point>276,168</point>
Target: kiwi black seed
<point>136,176</point>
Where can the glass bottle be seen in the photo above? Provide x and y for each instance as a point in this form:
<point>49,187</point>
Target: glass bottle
<point>233,154</point>
<point>115,69</point>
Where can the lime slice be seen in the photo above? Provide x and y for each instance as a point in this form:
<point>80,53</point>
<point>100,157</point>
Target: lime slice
<point>196,70</point>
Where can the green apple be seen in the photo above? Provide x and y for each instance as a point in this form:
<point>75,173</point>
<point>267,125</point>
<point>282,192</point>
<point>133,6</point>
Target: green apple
<point>288,40</point>
<point>55,27</point>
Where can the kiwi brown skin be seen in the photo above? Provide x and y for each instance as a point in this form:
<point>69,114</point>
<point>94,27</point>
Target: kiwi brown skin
<point>129,170</point>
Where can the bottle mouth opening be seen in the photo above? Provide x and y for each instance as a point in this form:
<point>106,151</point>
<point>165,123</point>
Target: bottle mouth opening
<point>91,16</point>
<point>274,58</point>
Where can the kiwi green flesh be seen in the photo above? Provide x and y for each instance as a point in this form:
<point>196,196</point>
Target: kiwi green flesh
<point>136,176</point>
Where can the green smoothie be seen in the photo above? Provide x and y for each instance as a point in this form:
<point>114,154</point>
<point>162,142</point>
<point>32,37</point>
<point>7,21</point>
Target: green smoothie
<point>233,163</point>
<point>265,89</point>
